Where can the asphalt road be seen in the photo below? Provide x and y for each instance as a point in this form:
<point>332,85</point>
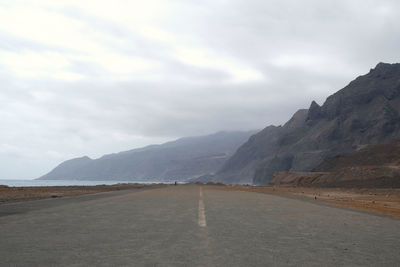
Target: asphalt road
<point>189,225</point>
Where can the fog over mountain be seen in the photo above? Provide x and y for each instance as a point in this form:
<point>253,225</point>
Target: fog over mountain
<point>95,77</point>
<point>178,160</point>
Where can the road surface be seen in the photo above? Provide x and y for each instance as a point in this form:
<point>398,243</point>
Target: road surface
<point>190,225</point>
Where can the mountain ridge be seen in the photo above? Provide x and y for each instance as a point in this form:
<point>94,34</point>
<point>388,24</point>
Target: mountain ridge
<point>364,112</point>
<point>175,160</point>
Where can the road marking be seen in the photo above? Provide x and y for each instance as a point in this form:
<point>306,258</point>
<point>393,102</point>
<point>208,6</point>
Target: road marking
<point>202,216</point>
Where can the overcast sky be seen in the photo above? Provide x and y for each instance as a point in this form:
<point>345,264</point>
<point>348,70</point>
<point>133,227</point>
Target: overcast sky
<point>95,77</point>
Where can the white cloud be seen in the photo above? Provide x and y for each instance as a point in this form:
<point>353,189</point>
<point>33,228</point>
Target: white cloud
<point>35,65</point>
<point>204,59</point>
<point>73,39</point>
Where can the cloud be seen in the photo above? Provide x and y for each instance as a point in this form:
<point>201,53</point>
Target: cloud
<point>90,77</point>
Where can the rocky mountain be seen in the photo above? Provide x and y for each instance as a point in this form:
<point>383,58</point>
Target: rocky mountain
<point>365,112</point>
<point>177,160</point>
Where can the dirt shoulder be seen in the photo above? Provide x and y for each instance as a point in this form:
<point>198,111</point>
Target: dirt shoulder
<point>383,201</point>
<point>12,194</point>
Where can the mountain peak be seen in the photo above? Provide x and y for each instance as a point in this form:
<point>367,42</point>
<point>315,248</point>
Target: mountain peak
<point>314,112</point>
<point>298,119</point>
<point>383,65</point>
<point>384,70</point>
<point>314,106</point>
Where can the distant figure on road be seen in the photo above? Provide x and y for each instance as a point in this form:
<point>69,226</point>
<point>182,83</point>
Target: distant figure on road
<point>175,183</point>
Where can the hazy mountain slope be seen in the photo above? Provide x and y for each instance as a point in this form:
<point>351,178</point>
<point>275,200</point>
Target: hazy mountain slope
<point>364,112</point>
<point>176,160</point>
<point>240,168</point>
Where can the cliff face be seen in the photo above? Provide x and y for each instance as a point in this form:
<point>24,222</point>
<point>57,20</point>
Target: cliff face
<point>363,113</point>
<point>241,167</point>
<point>178,160</point>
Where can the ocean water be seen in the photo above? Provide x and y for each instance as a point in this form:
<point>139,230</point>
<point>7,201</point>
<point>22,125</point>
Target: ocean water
<point>64,182</point>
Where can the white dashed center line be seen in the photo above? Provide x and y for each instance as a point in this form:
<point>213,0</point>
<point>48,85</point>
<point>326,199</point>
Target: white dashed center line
<point>202,216</point>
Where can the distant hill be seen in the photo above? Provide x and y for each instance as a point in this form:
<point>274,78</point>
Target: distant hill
<point>365,112</point>
<point>372,166</point>
<point>177,160</point>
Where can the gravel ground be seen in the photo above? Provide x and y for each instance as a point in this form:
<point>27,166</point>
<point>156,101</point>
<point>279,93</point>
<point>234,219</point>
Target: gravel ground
<point>382,201</point>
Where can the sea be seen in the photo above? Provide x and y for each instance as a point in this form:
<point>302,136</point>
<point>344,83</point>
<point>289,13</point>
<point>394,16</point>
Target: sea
<point>18,183</point>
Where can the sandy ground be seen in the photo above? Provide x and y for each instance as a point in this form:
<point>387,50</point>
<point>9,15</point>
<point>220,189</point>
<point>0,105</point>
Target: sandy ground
<point>383,201</point>
<point>12,194</point>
